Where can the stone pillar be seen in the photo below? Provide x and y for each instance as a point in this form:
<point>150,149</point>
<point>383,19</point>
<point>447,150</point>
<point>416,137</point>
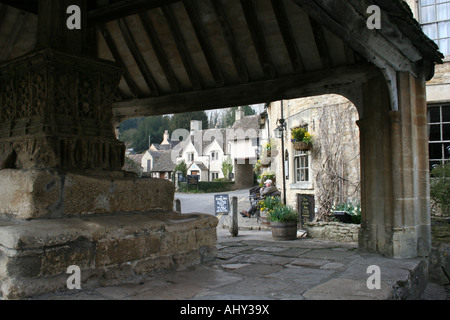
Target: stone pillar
<point>244,176</point>
<point>394,169</point>
<point>55,112</point>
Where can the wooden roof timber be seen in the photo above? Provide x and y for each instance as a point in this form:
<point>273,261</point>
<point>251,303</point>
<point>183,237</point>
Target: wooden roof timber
<point>194,55</point>
<point>334,80</point>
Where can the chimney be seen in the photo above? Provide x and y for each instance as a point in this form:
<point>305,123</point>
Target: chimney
<point>195,126</point>
<point>239,114</point>
<point>166,138</point>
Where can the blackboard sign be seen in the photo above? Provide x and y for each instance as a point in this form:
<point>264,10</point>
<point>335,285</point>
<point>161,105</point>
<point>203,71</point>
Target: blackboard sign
<point>193,179</point>
<point>222,203</point>
<point>306,209</point>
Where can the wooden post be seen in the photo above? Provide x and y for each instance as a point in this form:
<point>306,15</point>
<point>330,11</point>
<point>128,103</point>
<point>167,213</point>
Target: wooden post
<point>178,205</point>
<point>234,227</point>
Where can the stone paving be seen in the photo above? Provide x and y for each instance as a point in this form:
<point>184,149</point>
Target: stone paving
<point>252,266</point>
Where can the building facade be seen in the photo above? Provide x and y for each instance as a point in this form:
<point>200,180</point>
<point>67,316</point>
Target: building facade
<point>434,17</point>
<point>329,173</point>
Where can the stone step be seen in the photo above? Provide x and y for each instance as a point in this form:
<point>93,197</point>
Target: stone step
<point>109,249</point>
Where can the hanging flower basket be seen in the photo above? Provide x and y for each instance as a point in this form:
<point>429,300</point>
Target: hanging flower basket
<point>301,139</point>
<point>302,146</point>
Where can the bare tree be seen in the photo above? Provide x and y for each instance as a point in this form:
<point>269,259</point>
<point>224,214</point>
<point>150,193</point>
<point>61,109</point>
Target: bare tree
<point>336,149</point>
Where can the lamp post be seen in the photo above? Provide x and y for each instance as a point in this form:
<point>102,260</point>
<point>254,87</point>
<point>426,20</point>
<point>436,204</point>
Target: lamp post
<point>279,133</point>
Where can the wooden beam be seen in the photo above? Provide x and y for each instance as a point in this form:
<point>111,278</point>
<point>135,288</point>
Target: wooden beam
<point>12,37</point>
<point>112,47</point>
<point>287,87</point>
<point>202,37</point>
<point>230,40</point>
<point>137,55</point>
<point>24,5</point>
<point>347,23</point>
<point>258,39</point>
<point>182,48</point>
<point>321,43</point>
<point>159,52</point>
<point>288,36</point>
<point>123,8</point>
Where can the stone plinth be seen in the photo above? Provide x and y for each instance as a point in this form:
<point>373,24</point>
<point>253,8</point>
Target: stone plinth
<point>55,112</point>
<point>35,255</point>
<point>63,198</point>
<point>37,193</point>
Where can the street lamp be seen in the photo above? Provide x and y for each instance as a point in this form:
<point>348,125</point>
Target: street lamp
<point>279,133</point>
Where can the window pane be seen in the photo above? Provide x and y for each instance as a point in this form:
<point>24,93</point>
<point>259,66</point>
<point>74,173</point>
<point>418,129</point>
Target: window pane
<point>446,150</point>
<point>427,2</point>
<point>434,164</point>
<point>446,132</point>
<point>435,132</point>
<point>435,151</point>
<point>445,113</point>
<point>443,11</point>
<point>444,29</point>
<point>428,14</point>
<point>431,31</point>
<point>444,46</point>
<point>434,114</point>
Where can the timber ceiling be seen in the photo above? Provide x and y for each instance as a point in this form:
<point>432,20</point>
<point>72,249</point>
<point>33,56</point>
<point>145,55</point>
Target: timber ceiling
<point>203,54</point>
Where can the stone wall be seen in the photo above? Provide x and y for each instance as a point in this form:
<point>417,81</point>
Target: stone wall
<point>342,232</point>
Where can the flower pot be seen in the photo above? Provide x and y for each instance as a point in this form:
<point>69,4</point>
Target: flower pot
<point>343,216</point>
<point>284,230</point>
<point>302,146</point>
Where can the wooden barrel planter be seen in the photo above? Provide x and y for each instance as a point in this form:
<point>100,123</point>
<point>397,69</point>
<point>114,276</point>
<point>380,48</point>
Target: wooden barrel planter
<point>284,230</point>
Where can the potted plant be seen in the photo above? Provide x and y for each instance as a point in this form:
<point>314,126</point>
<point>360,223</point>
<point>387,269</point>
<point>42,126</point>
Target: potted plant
<point>347,213</point>
<point>268,149</point>
<point>301,139</point>
<point>283,219</point>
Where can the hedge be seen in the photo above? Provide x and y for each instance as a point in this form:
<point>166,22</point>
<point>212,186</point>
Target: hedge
<point>208,187</point>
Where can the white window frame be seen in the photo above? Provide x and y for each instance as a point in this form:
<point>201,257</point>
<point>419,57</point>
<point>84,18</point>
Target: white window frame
<point>214,175</point>
<point>298,184</point>
<point>445,151</point>
<point>436,22</point>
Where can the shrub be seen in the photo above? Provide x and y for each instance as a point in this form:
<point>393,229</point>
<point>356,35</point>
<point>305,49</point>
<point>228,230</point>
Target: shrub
<point>268,204</point>
<point>351,209</point>
<point>440,187</point>
<point>283,214</point>
<point>207,187</point>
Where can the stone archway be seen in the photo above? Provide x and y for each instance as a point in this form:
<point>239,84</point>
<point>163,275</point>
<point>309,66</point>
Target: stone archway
<point>57,107</point>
